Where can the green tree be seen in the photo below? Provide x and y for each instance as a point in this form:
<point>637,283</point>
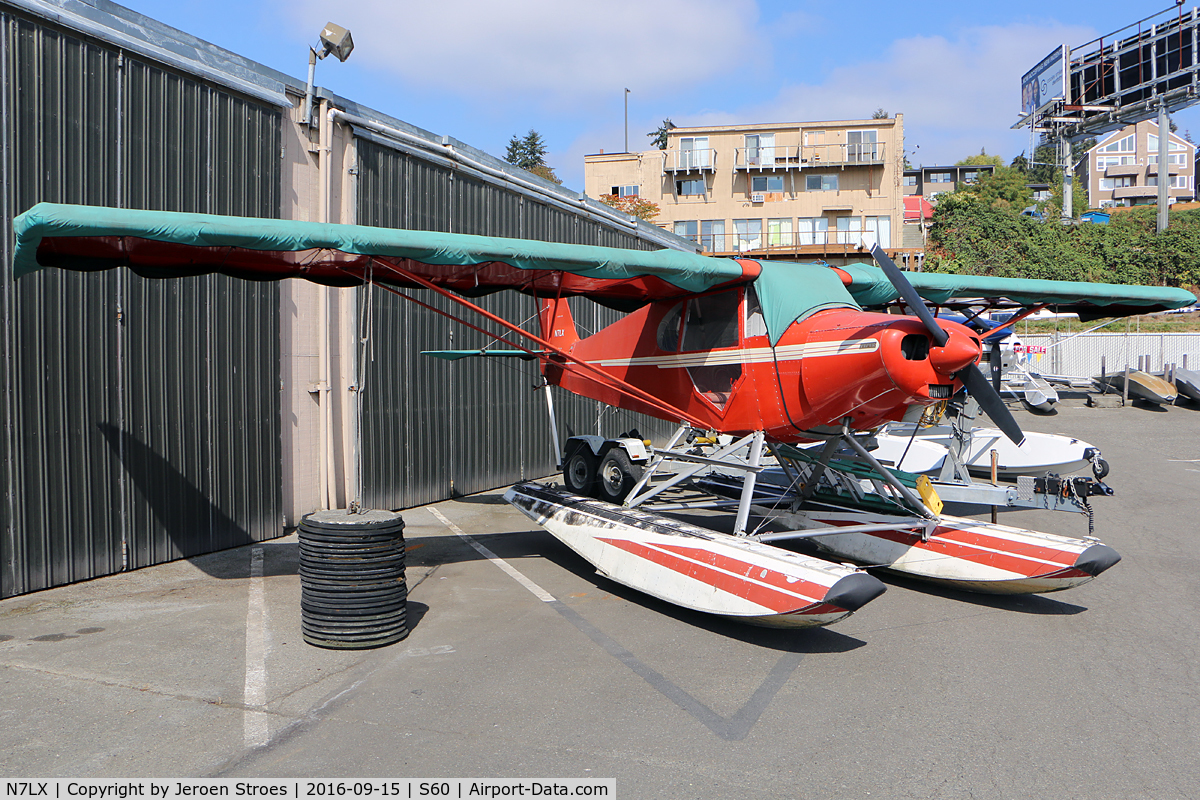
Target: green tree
<point>1052,207</point>
<point>658,136</point>
<point>972,236</point>
<point>1006,185</point>
<point>983,159</point>
<point>529,152</point>
<point>879,114</point>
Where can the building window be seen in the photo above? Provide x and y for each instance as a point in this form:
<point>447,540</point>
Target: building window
<point>1124,145</point>
<point>877,229</point>
<point>1172,158</point>
<point>1173,181</point>
<point>1108,184</point>
<point>691,188</point>
<point>694,152</point>
<point>941,177</point>
<point>821,183</point>
<point>813,230</point>
<point>1103,162</point>
<point>624,191</point>
<point>760,149</point>
<point>779,232</point>
<point>910,180</point>
<point>766,183</point>
<point>748,233</point>
<point>712,235</point>
<point>687,228</point>
<point>849,230</point>
<point>862,146</point>
<point>970,176</point>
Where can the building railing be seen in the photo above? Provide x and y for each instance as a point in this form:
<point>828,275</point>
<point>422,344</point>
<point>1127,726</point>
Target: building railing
<point>773,157</point>
<point>778,156</point>
<point>851,153</point>
<point>704,159</point>
<point>766,243</point>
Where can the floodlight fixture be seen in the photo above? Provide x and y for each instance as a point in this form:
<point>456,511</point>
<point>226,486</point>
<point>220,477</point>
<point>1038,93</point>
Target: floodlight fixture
<point>336,41</point>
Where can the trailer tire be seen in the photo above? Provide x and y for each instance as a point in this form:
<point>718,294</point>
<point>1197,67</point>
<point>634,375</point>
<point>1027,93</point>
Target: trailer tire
<point>617,476</point>
<point>579,473</point>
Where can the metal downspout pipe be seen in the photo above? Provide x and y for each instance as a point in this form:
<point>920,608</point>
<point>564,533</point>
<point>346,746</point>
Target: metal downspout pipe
<point>327,476</point>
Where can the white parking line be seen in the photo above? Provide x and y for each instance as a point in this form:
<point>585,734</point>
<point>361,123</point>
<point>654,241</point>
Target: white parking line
<point>255,730</point>
<point>538,592</point>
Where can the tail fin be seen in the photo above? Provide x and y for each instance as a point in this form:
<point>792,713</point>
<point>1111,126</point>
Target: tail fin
<point>558,326</point>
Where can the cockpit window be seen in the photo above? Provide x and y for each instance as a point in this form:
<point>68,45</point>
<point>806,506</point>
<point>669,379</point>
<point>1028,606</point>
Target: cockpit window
<point>712,322</point>
<point>756,325</point>
<point>668,329</point>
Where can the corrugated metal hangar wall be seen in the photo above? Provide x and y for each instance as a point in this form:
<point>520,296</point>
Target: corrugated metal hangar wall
<point>146,421</point>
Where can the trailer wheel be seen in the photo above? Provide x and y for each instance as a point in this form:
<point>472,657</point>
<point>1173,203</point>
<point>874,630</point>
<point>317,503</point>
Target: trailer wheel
<point>617,477</point>
<point>580,472</point>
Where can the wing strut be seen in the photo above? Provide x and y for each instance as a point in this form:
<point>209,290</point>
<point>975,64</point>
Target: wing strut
<point>573,362</point>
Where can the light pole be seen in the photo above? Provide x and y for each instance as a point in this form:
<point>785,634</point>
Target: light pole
<point>626,120</point>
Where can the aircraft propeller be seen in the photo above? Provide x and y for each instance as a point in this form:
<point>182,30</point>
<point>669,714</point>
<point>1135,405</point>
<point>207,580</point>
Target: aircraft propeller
<point>976,383</point>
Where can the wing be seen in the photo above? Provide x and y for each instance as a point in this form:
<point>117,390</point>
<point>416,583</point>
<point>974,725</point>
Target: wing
<point>170,244</point>
<point>871,288</point>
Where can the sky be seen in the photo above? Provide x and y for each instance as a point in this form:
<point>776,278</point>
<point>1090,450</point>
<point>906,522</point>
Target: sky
<point>483,71</point>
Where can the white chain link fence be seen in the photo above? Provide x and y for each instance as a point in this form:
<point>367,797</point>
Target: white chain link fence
<point>1081,354</point>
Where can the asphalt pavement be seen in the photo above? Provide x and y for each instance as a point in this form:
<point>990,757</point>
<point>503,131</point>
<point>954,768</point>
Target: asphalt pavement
<point>546,670</point>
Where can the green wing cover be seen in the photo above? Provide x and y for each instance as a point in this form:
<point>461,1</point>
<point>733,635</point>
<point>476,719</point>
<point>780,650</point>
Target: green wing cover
<point>164,243</point>
<point>870,287</point>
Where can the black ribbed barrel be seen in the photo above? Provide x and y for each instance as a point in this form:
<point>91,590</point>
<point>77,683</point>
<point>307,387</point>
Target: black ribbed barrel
<point>352,589</point>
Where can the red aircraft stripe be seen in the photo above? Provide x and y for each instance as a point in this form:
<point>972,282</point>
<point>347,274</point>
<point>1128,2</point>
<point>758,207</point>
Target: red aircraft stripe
<point>983,539</point>
<point>1008,560</point>
<point>777,579</point>
<point>1023,552</point>
<point>765,596</point>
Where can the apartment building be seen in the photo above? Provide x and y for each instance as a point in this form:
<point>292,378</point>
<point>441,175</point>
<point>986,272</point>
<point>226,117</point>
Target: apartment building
<point>929,182</point>
<point>806,189</point>
<point>1122,169</point>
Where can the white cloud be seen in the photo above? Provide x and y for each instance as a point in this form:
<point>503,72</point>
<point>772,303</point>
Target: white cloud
<point>957,94</point>
<point>560,51</point>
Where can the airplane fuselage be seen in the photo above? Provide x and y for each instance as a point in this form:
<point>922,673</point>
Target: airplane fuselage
<point>711,357</point>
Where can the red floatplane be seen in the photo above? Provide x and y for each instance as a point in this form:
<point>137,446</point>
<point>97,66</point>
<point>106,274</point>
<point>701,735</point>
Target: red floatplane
<point>753,359</point>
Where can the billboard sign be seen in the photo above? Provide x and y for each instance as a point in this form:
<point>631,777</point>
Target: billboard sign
<point>1046,82</point>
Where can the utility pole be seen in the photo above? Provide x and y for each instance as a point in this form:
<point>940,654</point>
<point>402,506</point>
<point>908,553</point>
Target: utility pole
<point>626,120</point>
<point>1164,171</point>
<point>1065,156</point>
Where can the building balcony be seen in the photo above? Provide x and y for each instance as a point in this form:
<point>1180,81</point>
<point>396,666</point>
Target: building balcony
<point>767,158</point>
<point>783,244</point>
<point>1121,170</point>
<point>1138,170</point>
<point>1136,192</point>
<point>840,155</point>
<point>697,160</point>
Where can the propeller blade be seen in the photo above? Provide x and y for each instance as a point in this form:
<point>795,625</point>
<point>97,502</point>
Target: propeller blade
<point>976,382</point>
<point>909,294</point>
<point>990,403</point>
